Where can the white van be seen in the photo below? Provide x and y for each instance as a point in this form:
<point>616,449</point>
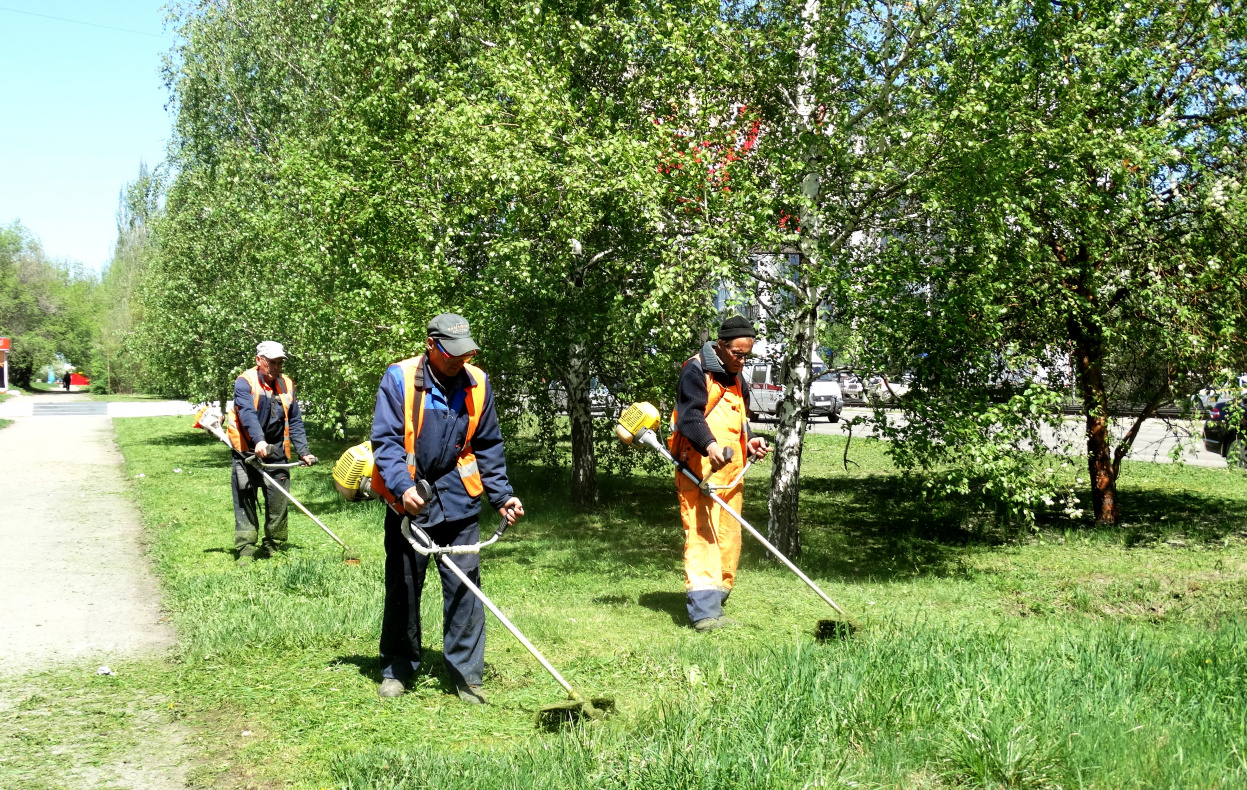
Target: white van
<point>765,392</point>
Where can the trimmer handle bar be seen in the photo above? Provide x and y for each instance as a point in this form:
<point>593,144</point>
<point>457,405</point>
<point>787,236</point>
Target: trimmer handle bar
<point>425,546</point>
<point>253,460</point>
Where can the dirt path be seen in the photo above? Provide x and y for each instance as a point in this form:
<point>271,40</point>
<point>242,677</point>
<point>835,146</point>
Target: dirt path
<point>73,580</point>
<point>75,588</point>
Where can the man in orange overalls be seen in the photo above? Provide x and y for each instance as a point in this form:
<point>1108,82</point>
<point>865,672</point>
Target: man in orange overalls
<point>711,415</point>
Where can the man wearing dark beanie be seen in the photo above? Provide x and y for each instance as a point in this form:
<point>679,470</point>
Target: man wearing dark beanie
<point>711,415</point>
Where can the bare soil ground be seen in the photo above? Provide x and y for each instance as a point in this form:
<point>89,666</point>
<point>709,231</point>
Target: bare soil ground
<point>75,589</point>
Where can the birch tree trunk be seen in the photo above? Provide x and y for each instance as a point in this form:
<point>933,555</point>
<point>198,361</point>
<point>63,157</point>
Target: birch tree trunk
<point>783,527</point>
<point>584,459</point>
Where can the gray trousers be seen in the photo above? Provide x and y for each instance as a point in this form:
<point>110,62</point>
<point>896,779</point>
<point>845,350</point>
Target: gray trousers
<point>246,484</point>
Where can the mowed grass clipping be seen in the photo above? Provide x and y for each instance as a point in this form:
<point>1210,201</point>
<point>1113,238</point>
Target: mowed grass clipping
<point>1071,658</point>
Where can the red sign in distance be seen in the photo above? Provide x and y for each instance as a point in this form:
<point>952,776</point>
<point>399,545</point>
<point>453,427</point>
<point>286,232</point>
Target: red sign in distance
<point>4,344</point>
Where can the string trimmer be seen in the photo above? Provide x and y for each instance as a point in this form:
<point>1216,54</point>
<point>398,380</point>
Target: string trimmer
<point>351,477</point>
<point>210,420</point>
<point>636,426</point>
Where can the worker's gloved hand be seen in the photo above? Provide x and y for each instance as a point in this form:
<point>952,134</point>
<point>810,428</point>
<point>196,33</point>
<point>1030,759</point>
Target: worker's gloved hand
<point>717,458</point>
<point>310,459</point>
<point>758,448</point>
<point>261,449</point>
<point>412,502</point>
<point>512,511</point>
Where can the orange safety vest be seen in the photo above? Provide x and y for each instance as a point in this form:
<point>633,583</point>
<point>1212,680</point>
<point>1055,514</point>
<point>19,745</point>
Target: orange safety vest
<point>237,436</point>
<point>714,394</point>
<point>413,421</point>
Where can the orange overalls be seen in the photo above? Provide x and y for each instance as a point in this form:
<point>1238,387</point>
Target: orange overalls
<point>711,536</point>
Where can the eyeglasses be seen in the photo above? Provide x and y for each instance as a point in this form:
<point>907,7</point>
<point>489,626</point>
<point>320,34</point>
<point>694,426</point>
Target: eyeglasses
<point>739,356</point>
<point>449,355</point>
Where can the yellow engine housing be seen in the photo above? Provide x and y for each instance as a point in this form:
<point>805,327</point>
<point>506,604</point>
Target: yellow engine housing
<point>352,474</point>
<point>636,419</point>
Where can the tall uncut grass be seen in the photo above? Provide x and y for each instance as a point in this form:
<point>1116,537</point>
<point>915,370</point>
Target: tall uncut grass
<point>1073,657</point>
<point>1100,706</point>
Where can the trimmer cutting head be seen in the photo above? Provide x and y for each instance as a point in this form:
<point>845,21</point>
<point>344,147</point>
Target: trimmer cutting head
<point>834,630</point>
<point>574,710</point>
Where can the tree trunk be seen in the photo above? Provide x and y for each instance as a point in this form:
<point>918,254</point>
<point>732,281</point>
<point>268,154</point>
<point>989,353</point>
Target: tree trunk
<point>227,397</point>
<point>584,459</point>
<point>783,527</point>
<point>1101,471</point>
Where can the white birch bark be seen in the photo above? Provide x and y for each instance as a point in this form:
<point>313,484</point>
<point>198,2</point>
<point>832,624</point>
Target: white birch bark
<point>783,527</point>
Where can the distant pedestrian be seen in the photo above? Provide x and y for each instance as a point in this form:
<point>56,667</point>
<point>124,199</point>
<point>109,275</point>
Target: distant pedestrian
<point>67,381</point>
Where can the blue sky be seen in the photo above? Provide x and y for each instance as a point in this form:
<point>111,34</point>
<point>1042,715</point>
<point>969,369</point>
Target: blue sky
<point>80,106</point>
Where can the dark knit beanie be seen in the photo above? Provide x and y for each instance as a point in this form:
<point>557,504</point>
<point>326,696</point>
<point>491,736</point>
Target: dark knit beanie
<point>735,327</point>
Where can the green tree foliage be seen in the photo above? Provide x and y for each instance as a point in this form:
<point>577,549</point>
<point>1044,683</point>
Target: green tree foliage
<point>794,153</point>
<point>47,307</point>
<point>1090,221</point>
<point>118,364</point>
<point>347,170</point>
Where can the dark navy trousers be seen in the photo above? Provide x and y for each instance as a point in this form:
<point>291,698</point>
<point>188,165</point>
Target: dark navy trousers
<point>463,614</point>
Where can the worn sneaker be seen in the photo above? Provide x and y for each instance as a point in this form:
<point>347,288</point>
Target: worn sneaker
<point>710,623</point>
<point>471,694</point>
<point>391,687</point>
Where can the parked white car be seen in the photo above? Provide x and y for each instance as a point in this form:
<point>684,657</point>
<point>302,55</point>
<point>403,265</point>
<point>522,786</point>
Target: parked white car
<point>880,388</point>
<point>850,385</point>
<point>765,391</point>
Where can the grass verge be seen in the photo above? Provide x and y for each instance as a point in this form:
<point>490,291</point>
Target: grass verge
<point>1072,657</point>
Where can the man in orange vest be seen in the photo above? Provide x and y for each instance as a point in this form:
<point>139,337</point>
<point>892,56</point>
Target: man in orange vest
<point>435,420</point>
<point>711,415</point>
<point>268,422</point>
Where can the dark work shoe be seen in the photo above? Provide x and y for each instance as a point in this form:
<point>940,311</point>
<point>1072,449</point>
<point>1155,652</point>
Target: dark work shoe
<point>471,694</point>
<point>244,559</point>
<point>710,623</point>
<point>391,687</point>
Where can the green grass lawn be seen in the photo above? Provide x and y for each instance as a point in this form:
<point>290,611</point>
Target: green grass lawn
<point>1071,657</point>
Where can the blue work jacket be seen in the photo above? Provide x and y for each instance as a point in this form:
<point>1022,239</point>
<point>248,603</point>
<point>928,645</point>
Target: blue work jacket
<point>438,446</point>
<point>269,422</point>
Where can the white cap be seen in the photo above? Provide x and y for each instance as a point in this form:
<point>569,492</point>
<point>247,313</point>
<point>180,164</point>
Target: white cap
<point>270,349</point>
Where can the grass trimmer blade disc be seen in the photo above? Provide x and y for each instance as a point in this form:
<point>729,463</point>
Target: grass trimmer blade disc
<point>574,710</point>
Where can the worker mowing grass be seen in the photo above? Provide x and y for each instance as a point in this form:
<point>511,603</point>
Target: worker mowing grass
<point>266,420</point>
<point>711,435</point>
<point>435,423</point>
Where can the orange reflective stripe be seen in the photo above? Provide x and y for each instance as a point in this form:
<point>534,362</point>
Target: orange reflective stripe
<point>714,396</point>
<point>252,377</point>
<point>413,423</point>
<point>411,428</point>
<point>474,400</point>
